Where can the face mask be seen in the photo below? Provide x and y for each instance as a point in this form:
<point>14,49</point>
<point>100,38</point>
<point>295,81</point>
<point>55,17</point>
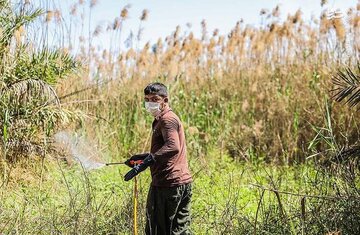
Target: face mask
<point>153,108</point>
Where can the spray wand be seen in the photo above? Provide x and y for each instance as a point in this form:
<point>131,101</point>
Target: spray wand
<point>132,162</point>
<point>114,163</point>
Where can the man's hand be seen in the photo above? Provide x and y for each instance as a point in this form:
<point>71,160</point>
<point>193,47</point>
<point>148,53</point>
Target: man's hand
<point>139,168</point>
<point>134,158</point>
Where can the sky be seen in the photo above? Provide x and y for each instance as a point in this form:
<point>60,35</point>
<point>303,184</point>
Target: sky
<point>165,15</point>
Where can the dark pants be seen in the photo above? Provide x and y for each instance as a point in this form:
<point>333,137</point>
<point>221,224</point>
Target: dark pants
<point>168,210</point>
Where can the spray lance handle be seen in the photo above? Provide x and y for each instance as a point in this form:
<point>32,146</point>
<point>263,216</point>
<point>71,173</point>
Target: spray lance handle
<point>136,159</point>
<point>149,160</point>
<point>137,162</point>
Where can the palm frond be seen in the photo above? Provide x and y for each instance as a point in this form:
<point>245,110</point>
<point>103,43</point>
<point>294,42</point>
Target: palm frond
<point>347,86</point>
<point>47,65</point>
<point>11,20</point>
<point>29,106</point>
<point>24,91</point>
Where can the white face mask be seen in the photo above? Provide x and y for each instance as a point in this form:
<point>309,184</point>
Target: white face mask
<point>153,108</point>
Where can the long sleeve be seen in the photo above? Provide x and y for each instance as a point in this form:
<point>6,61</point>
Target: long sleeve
<point>170,133</point>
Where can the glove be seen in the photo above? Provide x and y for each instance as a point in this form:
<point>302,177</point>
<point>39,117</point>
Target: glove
<point>149,160</point>
<point>136,157</point>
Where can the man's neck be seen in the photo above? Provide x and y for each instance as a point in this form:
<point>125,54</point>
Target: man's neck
<point>166,106</point>
<point>163,111</point>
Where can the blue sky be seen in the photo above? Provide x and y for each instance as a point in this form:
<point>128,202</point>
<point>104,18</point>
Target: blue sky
<point>165,15</point>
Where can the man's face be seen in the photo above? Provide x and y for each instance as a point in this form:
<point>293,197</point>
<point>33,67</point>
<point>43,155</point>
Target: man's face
<point>156,99</point>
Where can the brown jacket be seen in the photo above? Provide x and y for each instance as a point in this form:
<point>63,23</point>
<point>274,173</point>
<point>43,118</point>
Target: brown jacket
<point>169,149</point>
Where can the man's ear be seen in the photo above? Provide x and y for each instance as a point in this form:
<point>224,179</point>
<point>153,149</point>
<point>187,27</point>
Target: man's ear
<point>166,100</point>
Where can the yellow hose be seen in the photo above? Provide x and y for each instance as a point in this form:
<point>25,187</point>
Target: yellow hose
<point>135,207</point>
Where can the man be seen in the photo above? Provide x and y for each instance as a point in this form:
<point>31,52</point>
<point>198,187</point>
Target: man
<point>168,203</point>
